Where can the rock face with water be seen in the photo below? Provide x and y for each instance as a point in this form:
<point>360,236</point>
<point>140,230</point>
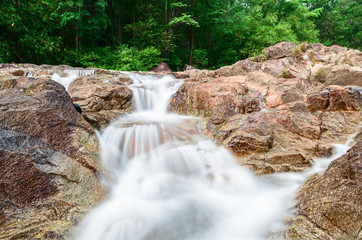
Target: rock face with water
<point>102,94</point>
<point>274,112</point>
<point>102,97</point>
<point>277,111</point>
<point>329,205</point>
<point>49,165</point>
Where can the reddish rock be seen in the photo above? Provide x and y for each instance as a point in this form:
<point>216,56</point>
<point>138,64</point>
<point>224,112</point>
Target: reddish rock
<point>336,98</point>
<point>282,91</point>
<point>218,99</point>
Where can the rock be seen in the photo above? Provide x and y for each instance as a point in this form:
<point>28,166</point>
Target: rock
<point>337,49</point>
<point>299,117</point>
<point>7,65</point>
<point>282,91</point>
<point>161,68</point>
<point>49,166</point>
<point>344,75</point>
<point>337,127</point>
<point>336,98</point>
<point>102,98</point>
<point>218,99</point>
<point>273,141</point>
<point>17,72</point>
<point>288,93</point>
<point>316,47</point>
<point>280,50</point>
<point>189,67</point>
<point>329,205</point>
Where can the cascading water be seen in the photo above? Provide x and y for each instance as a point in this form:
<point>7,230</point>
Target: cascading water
<point>72,74</point>
<point>170,183</point>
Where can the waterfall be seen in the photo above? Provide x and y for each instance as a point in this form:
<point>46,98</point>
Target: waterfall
<point>170,183</point>
<point>72,74</point>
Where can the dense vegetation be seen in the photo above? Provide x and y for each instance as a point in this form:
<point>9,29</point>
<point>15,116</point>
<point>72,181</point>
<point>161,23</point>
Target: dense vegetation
<point>137,34</point>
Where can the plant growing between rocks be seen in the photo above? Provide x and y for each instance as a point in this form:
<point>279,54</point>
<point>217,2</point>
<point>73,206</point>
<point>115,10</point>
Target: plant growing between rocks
<point>321,75</point>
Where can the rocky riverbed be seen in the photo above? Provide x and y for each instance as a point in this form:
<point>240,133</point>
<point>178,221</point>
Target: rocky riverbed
<point>274,112</point>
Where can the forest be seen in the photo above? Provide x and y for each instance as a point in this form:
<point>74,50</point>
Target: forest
<point>138,34</point>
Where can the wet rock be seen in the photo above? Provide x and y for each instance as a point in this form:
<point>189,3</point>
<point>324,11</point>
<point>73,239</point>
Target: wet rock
<point>102,98</point>
<point>218,99</point>
<point>337,127</point>
<point>49,166</point>
<point>329,205</point>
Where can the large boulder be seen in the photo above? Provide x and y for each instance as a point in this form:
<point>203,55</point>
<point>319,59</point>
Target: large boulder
<point>49,166</point>
<point>329,205</point>
<point>281,50</point>
<point>162,67</point>
<point>102,97</point>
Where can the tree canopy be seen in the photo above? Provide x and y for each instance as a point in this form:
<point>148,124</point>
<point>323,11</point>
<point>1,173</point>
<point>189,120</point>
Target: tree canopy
<point>135,34</point>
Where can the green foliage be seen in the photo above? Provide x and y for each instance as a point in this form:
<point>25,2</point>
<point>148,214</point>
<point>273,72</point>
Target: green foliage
<point>208,34</point>
<point>184,19</point>
<point>339,22</point>
<point>200,58</point>
<point>123,58</point>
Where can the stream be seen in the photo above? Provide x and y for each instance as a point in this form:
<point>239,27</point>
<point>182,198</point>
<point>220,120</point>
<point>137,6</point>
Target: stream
<point>168,182</point>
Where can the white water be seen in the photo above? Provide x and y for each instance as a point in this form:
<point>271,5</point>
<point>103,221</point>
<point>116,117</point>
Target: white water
<point>170,183</point>
<point>72,74</point>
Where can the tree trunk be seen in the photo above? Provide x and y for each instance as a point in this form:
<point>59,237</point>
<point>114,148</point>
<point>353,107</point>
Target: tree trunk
<point>191,44</point>
<point>76,38</point>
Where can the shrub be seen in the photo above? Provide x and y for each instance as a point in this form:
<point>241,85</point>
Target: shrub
<point>311,55</point>
<point>303,46</point>
<point>199,58</point>
<point>297,53</point>
<point>286,74</point>
<point>321,75</point>
<point>123,58</point>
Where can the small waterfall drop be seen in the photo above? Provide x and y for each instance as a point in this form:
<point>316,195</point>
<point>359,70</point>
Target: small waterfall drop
<point>72,74</point>
<point>170,183</point>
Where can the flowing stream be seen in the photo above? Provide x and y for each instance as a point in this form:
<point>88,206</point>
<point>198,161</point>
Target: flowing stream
<point>170,183</point>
